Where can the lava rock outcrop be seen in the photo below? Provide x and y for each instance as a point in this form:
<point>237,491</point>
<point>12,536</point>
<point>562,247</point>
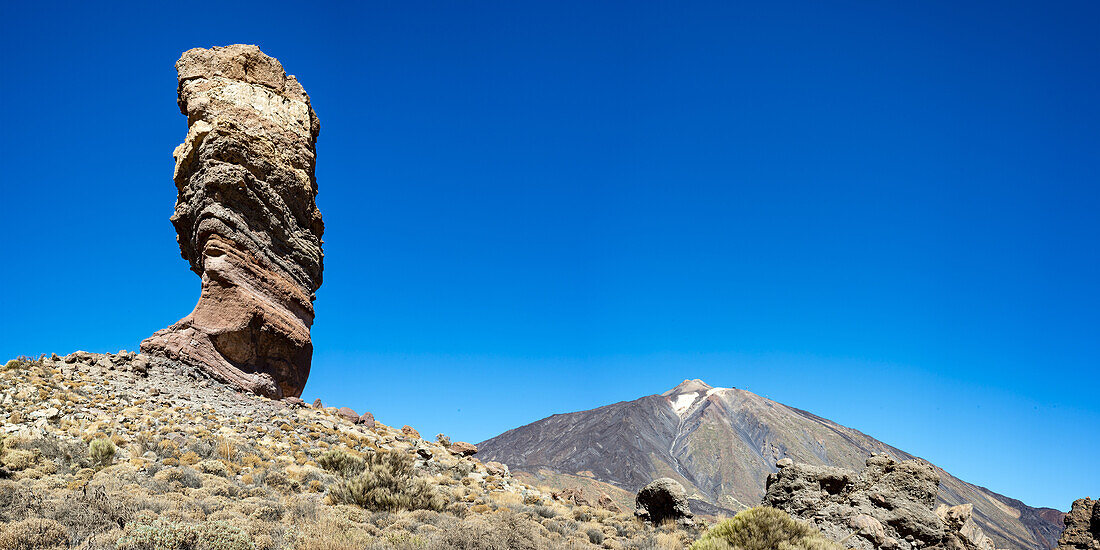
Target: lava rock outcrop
<point>1082,526</point>
<point>889,505</point>
<point>247,221</point>
<point>663,499</point>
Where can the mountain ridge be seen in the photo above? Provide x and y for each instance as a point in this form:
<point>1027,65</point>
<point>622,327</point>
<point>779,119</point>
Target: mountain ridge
<point>721,443</point>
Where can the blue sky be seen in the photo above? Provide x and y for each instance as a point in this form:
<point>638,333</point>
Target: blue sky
<point>881,212</point>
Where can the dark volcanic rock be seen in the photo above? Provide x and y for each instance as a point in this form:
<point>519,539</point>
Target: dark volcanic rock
<point>1082,526</point>
<point>246,221</point>
<point>663,499</point>
<point>889,505</point>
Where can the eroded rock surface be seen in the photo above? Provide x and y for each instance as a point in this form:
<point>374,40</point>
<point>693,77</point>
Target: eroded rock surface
<point>1082,526</point>
<point>246,221</point>
<point>663,499</point>
<point>888,505</point>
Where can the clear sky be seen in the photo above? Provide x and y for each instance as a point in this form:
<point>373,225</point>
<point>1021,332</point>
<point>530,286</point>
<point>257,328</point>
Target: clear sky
<point>881,212</point>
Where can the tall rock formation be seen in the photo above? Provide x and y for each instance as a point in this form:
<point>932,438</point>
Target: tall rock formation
<point>246,221</point>
<point>1082,526</point>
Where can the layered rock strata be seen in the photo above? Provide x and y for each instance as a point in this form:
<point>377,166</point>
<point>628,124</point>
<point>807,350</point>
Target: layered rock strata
<point>1082,526</point>
<point>247,221</point>
<point>889,505</point>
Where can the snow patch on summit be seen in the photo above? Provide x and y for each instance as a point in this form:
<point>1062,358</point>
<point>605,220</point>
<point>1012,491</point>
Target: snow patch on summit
<point>682,402</point>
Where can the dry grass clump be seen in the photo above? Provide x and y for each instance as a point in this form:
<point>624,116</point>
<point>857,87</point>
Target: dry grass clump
<point>33,534</point>
<point>161,534</point>
<point>763,528</point>
<point>102,452</point>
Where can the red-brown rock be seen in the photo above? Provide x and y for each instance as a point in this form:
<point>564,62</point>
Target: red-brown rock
<point>572,495</point>
<point>366,419</point>
<point>349,414</point>
<point>410,431</point>
<point>461,448</point>
<point>247,221</point>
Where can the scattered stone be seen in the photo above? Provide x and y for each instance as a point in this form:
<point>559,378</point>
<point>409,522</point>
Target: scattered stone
<point>496,468</point>
<point>349,414</point>
<point>247,221</point>
<point>573,495</point>
<point>462,448</point>
<point>606,503</point>
<point>663,499</point>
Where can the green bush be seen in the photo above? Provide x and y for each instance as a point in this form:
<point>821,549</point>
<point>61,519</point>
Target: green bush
<point>102,452</point>
<point>764,528</point>
<point>382,480</point>
<point>33,534</point>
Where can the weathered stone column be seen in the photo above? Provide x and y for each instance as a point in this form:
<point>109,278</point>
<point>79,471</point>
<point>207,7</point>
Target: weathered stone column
<point>247,221</point>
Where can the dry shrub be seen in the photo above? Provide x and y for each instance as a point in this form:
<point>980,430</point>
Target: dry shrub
<point>19,459</point>
<point>382,480</point>
<point>102,452</point>
<point>33,534</point>
<point>163,534</point>
<point>332,533</point>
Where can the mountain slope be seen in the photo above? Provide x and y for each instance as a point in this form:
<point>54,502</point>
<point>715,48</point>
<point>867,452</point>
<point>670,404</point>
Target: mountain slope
<point>721,443</point>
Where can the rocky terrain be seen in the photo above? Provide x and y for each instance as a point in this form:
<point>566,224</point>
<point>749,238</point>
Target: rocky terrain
<point>1082,526</point>
<point>246,220</point>
<point>126,451</point>
<point>721,444</point>
<point>889,505</point>
<point>201,442</point>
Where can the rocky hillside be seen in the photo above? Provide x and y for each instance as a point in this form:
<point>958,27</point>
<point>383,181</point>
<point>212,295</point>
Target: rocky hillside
<point>722,443</point>
<point>128,452</point>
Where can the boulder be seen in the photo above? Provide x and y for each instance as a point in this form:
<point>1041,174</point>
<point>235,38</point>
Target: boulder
<point>1082,530</point>
<point>247,221</point>
<point>496,468</point>
<point>962,532</point>
<point>661,500</point>
<point>606,503</point>
<point>462,448</point>
<point>410,431</point>
<point>571,495</point>
<point>366,419</point>
<point>349,414</point>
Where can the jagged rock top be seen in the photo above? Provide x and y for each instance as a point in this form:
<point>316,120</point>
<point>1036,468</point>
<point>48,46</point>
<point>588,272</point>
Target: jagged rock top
<point>1082,526</point>
<point>889,504</point>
